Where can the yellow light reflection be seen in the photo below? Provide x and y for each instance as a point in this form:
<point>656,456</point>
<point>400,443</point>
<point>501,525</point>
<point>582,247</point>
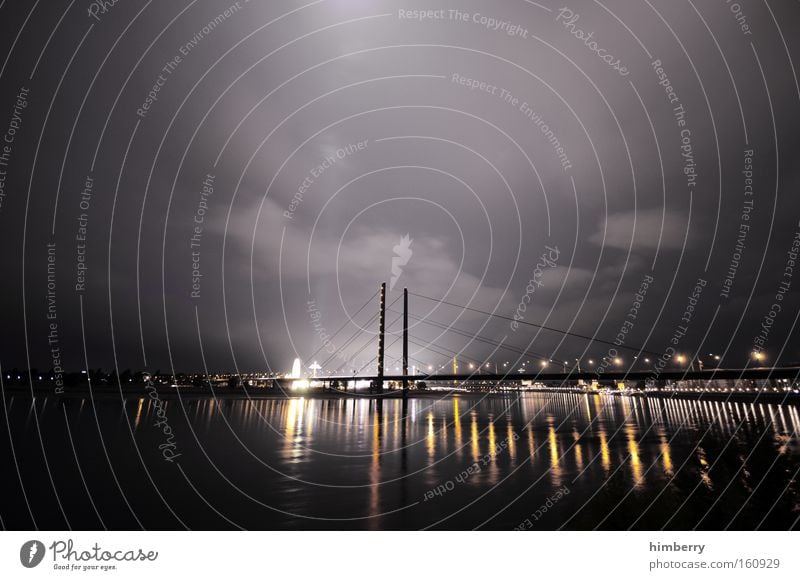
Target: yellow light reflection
<point>431,436</point>
<point>605,453</point>
<point>492,438</point>
<point>555,466</point>
<point>512,444</point>
<point>375,472</point>
<point>291,414</point>
<point>704,476</point>
<point>531,443</point>
<point>310,415</point>
<point>666,456</point>
<point>633,450</point>
<point>294,427</point>
<point>476,451</point>
<point>457,426</point>
<point>300,415</point>
<point>376,438</point>
<point>138,414</point>
<point>553,441</point>
<point>578,450</point>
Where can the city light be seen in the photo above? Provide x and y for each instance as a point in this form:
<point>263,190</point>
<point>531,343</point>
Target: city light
<point>300,385</point>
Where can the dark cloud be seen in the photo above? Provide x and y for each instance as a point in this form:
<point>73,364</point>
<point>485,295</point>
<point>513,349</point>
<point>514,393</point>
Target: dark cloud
<point>485,141</point>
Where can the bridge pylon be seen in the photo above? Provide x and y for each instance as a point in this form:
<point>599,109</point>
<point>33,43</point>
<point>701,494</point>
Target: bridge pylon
<point>405,342</point>
<point>381,338</point>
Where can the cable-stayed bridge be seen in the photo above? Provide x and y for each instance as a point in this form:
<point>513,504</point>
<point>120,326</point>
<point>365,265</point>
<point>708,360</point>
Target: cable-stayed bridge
<point>529,366</point>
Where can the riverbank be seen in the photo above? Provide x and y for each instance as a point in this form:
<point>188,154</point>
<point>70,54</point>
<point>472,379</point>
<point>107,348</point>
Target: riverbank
<point>190,392</point>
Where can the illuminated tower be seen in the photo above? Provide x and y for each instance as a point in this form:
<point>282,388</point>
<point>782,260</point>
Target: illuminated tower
<point>297,368</point>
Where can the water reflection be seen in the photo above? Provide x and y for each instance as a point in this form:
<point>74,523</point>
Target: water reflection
<point>457,426</point>
<point>633,452</point>
<point>476,450</point>
<point>555,457</point>
<point>605,452</point>
<point>512,437</point>
<point>660,460</point>
<point>666,456</point>
<point>578,450</point>
<point>590,429</point>
<point>431,437</point>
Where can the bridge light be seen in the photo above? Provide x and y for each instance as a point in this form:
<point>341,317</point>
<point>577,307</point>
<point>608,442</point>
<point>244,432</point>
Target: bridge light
<point>544,363</point>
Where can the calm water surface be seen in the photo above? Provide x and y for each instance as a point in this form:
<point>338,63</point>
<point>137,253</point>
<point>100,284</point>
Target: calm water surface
<point>536,460</point>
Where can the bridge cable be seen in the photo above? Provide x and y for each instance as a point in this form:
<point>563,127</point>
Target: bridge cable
<point>358,332</point>
<point>515,349</point>
<point>567,333</point>
<point>346,322</point>
<point>359,351</point>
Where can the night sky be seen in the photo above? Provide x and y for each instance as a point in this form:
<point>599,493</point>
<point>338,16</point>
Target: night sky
<point>213,185</point>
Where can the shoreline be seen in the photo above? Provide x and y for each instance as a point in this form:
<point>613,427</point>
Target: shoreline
<point>170,393</point>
